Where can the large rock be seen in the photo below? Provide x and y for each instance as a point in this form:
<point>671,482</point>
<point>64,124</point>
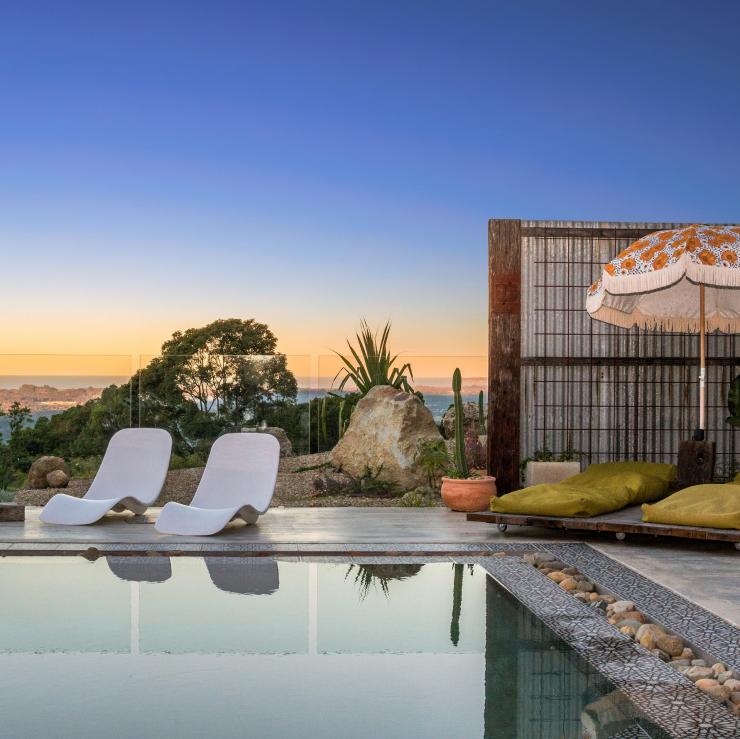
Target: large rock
<point>41,468</point>
<point>383,438</point>
<point>286,447</point>
<point>470,420</point>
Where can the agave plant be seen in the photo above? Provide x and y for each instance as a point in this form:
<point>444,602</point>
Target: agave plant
<point>371,363</point>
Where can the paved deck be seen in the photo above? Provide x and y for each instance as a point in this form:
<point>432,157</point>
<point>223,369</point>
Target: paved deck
<point>706,574</point>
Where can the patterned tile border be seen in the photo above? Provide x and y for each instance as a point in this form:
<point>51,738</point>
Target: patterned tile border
<point>708,632</point>
<point>665,696</point>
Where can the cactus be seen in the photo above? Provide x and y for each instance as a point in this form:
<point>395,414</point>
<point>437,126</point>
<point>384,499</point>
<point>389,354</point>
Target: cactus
<point>481,415</point>
<point>461,463</point>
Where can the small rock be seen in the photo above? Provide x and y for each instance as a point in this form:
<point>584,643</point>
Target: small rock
<point>582,597</point>
<point>628,629</point>
<point>584,586</point>
<point>557,576</point>
<point>57,479</point>
<point>541,558</point>
<point>676,663</point>
<point>687,653</point>
<point>720,692</point>
<point>556,564</point>
<point>530,558</point>
<point>673,645</point>
<point>733,685</point>
<point>571,571</point>
<point>735,697</point>
<point>718,667</point>
<point>705,683</point>
<point>723,677</point>
<point>699,663</point>
<point>660,654</point>
<point>648,634</point>
<point>622,605</point>
<point>568,584</point>
<point>734,708</point>
<point>630,615</point>
<point>545,570</point>
<point>697,672</point>
<point>609,599</point>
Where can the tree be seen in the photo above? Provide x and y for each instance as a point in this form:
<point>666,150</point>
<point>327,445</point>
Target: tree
<point>214,377</point>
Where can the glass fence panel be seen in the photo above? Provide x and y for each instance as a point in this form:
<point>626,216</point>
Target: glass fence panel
<point>64,405</point>
<point>199,397</point>
<point>428,375</point>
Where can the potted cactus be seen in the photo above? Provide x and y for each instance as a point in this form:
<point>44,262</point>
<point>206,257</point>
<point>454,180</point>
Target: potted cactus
<point>461,491</point>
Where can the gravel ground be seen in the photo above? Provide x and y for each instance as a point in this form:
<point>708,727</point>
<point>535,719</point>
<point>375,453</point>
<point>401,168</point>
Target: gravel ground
<point>294,487</point>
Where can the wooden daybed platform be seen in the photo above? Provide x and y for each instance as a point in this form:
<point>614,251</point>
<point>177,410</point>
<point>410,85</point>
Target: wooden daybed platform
<point>621,523</point>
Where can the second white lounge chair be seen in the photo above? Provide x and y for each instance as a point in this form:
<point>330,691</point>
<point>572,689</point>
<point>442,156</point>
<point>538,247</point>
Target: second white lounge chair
<point>238,481</point>
<point>131,477</point>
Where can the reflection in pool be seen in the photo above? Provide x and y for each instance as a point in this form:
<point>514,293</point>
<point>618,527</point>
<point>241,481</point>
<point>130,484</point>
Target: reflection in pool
<point>233,647</point>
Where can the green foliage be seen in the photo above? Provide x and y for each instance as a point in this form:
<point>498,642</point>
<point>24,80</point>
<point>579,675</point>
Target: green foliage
<point>371,363</point>
<point>433,458</point>
<point>419,499</point>
<point>461,463</point>
<point>733,403</point>
<point>481,414</point>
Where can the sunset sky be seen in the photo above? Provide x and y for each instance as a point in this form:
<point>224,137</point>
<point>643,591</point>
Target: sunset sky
<point>308,164</point>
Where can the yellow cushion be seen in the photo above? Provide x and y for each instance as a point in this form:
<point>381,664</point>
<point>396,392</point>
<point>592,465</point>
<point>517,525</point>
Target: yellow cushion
<point>712,506</point>
<point>602,488</point>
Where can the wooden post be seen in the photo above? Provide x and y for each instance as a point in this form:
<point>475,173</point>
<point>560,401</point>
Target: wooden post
<point>504,352</point>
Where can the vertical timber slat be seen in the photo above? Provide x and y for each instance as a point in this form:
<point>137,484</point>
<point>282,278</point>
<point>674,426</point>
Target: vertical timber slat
<point>504,351</point>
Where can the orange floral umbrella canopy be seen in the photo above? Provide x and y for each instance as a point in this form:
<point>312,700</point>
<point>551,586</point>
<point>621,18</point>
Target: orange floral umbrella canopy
<point>655,282</point>
<point>684,279</point>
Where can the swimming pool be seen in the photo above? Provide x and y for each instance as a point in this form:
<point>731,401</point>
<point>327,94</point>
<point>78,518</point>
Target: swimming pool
<point>234,647</point>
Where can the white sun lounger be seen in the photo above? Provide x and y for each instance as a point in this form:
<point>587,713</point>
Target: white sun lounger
<point>130,477</point>
<point>238,481</point>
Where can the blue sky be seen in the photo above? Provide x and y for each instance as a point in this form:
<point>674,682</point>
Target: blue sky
<point>306,164</point>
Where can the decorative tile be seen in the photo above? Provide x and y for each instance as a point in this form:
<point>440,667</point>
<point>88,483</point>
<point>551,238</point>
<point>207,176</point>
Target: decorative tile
<point>663,694</point>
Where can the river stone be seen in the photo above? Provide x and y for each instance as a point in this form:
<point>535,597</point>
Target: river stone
<point>696,672</point>
<point>383,437</point>
<point>621,605</point>
<point>673,645</point>
<point>699,663</point>
<point>732,684</point>
<point>557,576</point>
<point>718,667</point>
<point>647,635</point>
<point>676,663</point>
<point>470,420</point>
<point>41,468</point>
<point>630,616</point>
<point>688,653</point>
<point>57,479</point>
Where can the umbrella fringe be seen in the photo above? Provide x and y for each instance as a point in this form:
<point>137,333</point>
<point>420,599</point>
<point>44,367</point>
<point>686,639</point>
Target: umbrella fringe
<point>666,323</point>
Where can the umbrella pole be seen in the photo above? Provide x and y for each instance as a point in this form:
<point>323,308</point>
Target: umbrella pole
<point>702,366</point>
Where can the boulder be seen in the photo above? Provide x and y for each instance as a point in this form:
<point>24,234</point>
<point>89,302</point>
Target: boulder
<point>57,479</point>
<point>286,448</point>
<point>470,420</point>
<point>383,437</point>
<point>41,468</point>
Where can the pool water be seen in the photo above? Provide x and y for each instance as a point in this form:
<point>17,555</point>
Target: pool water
<point>253,647</point>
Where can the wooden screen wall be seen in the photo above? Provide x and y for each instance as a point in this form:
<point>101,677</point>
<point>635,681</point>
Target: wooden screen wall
<point>562,381</point>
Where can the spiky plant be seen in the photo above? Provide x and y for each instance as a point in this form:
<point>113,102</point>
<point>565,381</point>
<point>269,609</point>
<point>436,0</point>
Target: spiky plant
<point>481,415</point>
<point>371,363</point>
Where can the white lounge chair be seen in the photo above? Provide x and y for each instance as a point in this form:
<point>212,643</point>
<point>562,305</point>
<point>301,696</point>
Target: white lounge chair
<point>238,481</point>
<point>130,477</point>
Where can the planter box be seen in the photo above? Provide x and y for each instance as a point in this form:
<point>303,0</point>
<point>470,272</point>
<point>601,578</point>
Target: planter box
<point>12,512</point>
<point>552,472</point>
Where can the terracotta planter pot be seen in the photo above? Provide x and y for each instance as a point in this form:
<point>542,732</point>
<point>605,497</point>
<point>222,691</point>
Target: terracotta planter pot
<point>468,495</point>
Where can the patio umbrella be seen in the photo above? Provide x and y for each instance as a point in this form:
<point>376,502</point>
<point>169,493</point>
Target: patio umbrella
<point>684,279</point>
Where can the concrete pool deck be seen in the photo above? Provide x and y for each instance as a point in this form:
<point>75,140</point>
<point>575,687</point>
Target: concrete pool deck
<point>705,574</point>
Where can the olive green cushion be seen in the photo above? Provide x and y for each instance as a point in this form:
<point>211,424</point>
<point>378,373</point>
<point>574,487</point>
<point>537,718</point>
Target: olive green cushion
<point>602,488</point>
<point>711,506</point>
